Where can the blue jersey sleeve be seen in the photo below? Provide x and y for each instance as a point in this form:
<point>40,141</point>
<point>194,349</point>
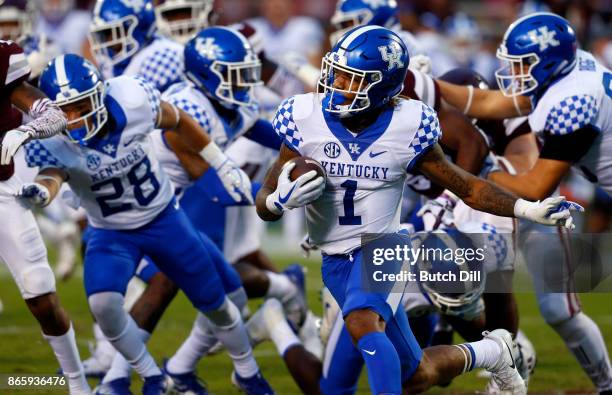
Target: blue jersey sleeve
<point>426,136</point>
<point>285,127</point>
<point>37,155</point>
<point>263,133</point>
<point>571,114</point>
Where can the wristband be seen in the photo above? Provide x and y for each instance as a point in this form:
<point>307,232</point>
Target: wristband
<point>213,155</point>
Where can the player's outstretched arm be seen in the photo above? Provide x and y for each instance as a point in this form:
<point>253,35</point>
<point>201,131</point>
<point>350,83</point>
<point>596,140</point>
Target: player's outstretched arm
<point>47,120</point>
<point>193,146</point>
<point>486,196</point>
<point>44,189</point>
<point>482,103</point>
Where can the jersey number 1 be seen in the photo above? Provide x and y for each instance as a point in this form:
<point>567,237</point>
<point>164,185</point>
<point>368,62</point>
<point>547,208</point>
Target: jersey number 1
<point>349,217</point>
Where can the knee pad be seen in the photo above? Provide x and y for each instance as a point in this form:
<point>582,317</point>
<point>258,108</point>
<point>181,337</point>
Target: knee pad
<point>556,308</point>
<point>37,280</point>
<point>107,308</point>
<point>226,316</point>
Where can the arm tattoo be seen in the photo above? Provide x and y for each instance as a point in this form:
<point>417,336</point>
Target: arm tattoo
<point>475,192</point>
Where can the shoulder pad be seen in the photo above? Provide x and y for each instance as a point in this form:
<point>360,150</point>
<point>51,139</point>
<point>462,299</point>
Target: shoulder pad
<point>570,114</point>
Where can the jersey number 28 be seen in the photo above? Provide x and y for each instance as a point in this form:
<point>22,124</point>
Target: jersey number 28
<point>138,177</point>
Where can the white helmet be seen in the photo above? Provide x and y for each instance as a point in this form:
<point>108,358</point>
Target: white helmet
<point>183,19</point>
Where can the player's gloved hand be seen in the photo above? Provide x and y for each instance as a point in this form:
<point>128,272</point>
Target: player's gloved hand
<point>13,139</point>
<point>307,246</point>
<point>420,63</point>
<point>33,195</point>
<point>235,181</point>
<point>551,211</point>
<point>298,193</point>
<point>438,213</point>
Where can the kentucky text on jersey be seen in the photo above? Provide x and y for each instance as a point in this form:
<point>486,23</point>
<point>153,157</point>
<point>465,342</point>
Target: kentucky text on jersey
<point>126,162</point>
<point>355,170</point>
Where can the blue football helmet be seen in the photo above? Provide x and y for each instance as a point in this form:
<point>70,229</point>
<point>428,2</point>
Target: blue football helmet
<point>375,61</point>
<point>120,28</point>
<point>69,79</point>
<point>447,251</point>
<point>183,19</point>
<point>221,63</point>
<point>538,49</point>
<point>353,13</point>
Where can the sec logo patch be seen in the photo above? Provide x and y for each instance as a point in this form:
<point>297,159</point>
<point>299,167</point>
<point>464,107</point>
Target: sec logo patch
<point>332,150</point>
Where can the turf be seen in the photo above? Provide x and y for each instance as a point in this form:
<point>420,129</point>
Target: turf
<point>22,349</point>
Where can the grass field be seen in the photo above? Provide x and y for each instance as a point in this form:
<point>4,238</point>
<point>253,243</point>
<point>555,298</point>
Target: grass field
<point>22,349</point>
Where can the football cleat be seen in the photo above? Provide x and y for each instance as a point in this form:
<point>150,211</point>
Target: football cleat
<point>185,383</point>
<point>156,385</point>
<point>120,386</point>
<point>98,364</point>
<point>256,385</point>
<point>505,378</point>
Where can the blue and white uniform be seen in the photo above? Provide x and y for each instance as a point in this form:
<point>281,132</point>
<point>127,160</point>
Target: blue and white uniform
<point>365,179</point>
<point>160,63</point>
<point>129,200</point>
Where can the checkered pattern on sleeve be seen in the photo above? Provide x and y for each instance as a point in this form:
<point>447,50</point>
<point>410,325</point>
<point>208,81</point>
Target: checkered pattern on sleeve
<point>153,97</point>
<point>496,241</point>
<point>284,125</point>
<point>196,112</point>
<point>38,156</point>
<point>163,68</point>
<point>428,133</point>
<point>571,114</point>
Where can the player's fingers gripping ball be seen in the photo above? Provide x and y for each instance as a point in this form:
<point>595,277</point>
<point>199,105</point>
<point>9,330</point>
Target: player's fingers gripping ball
<point>301,182</point>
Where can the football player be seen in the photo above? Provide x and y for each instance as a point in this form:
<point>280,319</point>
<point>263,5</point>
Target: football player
<point>183,19</point>
<point>568,96</point>
<point>107,158</point>
<point>124,41</point>
<point>21,246</point>
<point>373,138</point>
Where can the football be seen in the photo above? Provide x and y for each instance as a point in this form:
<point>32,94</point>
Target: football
<point>303,165</point>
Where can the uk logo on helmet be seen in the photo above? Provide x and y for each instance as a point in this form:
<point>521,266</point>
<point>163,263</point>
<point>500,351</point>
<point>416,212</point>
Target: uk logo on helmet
<point>136,5</point>
<point>392,54</point>
<point>543,37</point>
<point>207,47</point>
<point>375,3</point>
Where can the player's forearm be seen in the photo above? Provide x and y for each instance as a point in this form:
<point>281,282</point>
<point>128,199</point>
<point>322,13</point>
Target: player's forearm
<point>486,196</point>
<point>52,180</point>
<point>530,188</point>
<point>485,104</point>
<point>261,205</point>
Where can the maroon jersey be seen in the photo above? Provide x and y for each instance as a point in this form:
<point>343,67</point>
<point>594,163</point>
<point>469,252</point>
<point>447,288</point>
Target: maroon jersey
<point>420,86</point>
<point>501,133</point>
<point>14,70</point>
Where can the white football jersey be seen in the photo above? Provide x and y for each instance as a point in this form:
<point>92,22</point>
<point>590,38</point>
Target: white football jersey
<point>70,34</point>
<point>365,171</point>
<point>160,63</point>
<point>117,177</point>
<point>191,100</point>
<point>582,97</point>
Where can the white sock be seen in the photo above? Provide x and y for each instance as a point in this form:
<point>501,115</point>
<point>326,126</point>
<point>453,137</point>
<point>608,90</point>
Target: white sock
<point>282,336</point>
<point>280,287</point>
<point>236,341</point>
<point>583,338</point>
<point>130,344</point>
<point>481,354</point>
<point>120,367</point>
<point>200,340</point>
<point>67,355</point>
<point>104,349</point>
